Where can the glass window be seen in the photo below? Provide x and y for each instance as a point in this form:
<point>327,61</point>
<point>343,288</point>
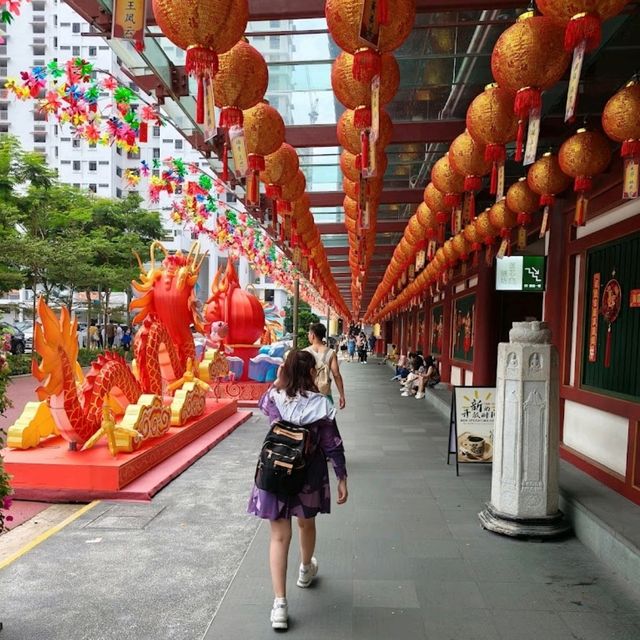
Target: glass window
<point>76,165</point>
<point>93,187</point>
<point>156,132</point>
<point>156,153</point>
<point>93,52</point>
<point>93,165</point>
<point>119,172</point>
<point>75,51</point>
<point>75,143</point>
<point>178,144</point>
<point>75,27</point>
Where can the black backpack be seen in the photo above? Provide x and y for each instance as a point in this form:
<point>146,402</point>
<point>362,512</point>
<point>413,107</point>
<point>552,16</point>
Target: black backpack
<point>283,461</point>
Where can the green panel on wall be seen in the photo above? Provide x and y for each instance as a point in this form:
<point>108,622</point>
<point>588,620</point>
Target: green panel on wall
<point>618,261</point>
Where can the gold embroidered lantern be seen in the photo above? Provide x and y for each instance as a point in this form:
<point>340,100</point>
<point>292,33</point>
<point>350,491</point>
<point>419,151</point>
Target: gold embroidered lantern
<point>525,202</point>
<point>353,133</point>
<point>264,135</point>
<point>384,31</point>
<point>583,156</point>
<point>451,184</point>
<point>492,122</point>
<point>280,168</point>
<point>474,238</point>
<point>429,223</point>
<point>466,157</point>
<point>351,165</point>
<point>621,122</point>
<point>528,58</point>
<point>463,249</point>
<point>504,219</point>
<point>545,177</point>
<point>204,29</point>
<point>488,233</point>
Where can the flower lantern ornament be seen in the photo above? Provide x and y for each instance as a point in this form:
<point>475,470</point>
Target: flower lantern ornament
<point>583,32</point>
<point>504,219</point>
<point>545,178</point>
<point>621,122</point>
<point>264,135</point>
<point>582,156</point>
<point>467,157</point>
<point>446,180</point>
<point>367,31</point>
<point>205,29</point>
<point>492,122</point>
<point>528,58</point>
<point>525,202</point>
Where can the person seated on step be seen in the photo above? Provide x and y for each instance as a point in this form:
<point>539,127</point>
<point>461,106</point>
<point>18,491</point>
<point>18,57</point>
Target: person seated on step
<point>411,381</point>
<point>402,368</point>
<point>430,378</point>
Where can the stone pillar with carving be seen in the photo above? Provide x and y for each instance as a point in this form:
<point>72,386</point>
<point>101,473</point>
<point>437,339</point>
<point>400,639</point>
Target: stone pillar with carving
<point>524,486</point>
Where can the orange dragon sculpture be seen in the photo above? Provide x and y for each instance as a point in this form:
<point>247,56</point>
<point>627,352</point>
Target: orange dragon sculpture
<point>164,350</point>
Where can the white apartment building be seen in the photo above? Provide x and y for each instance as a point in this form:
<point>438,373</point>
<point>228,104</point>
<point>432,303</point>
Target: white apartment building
<point>48,29</point>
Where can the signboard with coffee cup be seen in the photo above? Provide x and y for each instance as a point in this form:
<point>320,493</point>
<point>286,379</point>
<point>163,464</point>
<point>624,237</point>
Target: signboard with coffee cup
<point>473,415</point>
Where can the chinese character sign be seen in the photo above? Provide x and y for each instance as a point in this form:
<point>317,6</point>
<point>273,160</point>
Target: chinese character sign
<point>129,20</point>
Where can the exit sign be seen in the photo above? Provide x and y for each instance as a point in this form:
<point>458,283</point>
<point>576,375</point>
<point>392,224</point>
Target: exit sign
<point>520,273</point>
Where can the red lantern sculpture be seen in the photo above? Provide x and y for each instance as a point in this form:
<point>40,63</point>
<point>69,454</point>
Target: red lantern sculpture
<point>545,178</point>
<point>466,156</point>
<point>528,58</point>
<point>583,20</point>
<point>525,202</point>
<point>583,156</point>
<point>621,122</point>
<point>492,122</point>
<point>386,31</point>
<point>204,29</point>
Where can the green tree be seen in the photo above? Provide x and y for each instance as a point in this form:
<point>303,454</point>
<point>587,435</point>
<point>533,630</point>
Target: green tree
<point>306,317</point>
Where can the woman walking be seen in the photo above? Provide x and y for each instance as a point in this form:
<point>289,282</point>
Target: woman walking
<point>294,398</point>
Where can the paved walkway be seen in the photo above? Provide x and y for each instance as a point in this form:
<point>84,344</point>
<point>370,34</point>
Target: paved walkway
<point>405,558</point>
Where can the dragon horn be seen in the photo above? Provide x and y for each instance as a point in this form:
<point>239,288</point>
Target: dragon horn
<point>193,252</point>
<point>140,265</point>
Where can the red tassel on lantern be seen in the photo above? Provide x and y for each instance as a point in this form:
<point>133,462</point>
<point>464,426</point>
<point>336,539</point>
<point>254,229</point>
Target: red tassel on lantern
<point>441,219</point>
<point>366,64</point>
<point>383,12</point>
<point>452,199</point>
<point>584,27</point>
<point>252,188</point>
<point>581,185</point>
<point>200,101</point>
<point>139,45</point>
<point>201,63</point>
<point>283,206</point>
<point>231,117</point>
<point>225,162</point>
<point>488,252</point>
<point>256,162</point>
<point>364,150</point>
<point>274,191</point>
<point>362,118</point>
<point>496,154</point>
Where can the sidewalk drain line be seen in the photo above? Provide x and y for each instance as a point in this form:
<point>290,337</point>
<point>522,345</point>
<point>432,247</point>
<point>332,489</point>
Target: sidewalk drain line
<point>47,534</point>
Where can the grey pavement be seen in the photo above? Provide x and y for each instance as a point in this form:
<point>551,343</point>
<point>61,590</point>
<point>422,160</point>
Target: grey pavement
<point>404,558</point>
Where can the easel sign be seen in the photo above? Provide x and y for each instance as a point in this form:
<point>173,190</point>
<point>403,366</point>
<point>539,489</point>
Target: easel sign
<point>473,417</point>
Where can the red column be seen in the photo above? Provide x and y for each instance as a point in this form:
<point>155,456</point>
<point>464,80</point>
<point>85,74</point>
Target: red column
<point>445,358</point>
<point>485,343</point>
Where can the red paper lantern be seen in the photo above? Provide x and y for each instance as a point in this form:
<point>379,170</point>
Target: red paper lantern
<point>621,122</point>
<point>504,219</point>
<point>492,123</point>
<point>449,182</point>
<point>528,58</point>
<point>353,131</point>
<point>204,29</point>
<point>583,156</point>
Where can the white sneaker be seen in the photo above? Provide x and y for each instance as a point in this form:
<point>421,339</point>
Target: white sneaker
<point>419,395</point>
<point>280,614</point>
<point>306,575</point>
<point>405,394</point>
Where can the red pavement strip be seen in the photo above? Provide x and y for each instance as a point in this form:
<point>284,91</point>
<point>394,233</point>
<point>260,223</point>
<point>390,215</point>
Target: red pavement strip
<point>23,510</point>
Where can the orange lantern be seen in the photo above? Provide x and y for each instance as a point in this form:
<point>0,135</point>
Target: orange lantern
<point>583,20</point>
<point>353,93</point>
<point>451,255</point>
<point>582,156</point>
<point>240,83</point>
<point>525,202</point>
<point>373,188</point>
<point>203,29</point>
<point>385,32</point>
<point>466,157</point>
<point>504,219</point>
<point>621,122</point>
<point>488,233</point>
<point>545,177</point>
<point>264,135</point>
<point>474,238</point>
<point>528,58</point>
<point>351,165</point>
<point>451,184</point>
<point>428,220</point>
<point>463,249</point>
<point>353,132</point>
<point>280,168</point>
<point>492,122</point>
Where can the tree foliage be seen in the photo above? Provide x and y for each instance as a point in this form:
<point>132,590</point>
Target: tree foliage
<point>306,317</point>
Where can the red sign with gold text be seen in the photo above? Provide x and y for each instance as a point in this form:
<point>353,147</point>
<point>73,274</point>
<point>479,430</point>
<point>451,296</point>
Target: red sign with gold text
<point>634,298</point>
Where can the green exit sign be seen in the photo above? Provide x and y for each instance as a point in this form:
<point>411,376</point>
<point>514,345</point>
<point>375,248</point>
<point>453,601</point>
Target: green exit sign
<point>520,273</point>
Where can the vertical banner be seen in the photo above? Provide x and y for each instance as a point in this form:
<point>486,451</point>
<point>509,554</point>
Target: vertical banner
<point>595,314</point>
<point>129,20</point>
<point>375,107</point>
<point>369,26</point>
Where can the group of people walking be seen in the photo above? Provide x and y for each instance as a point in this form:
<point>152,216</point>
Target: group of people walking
<point>357,343</point>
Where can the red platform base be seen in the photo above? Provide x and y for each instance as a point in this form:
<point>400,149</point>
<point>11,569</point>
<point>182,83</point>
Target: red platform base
<point>52,473</point>
<point>246,394</point>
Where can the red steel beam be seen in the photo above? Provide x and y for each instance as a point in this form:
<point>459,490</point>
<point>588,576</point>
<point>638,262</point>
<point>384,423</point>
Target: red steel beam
<point>389,196</point>
<point>324,135</point>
